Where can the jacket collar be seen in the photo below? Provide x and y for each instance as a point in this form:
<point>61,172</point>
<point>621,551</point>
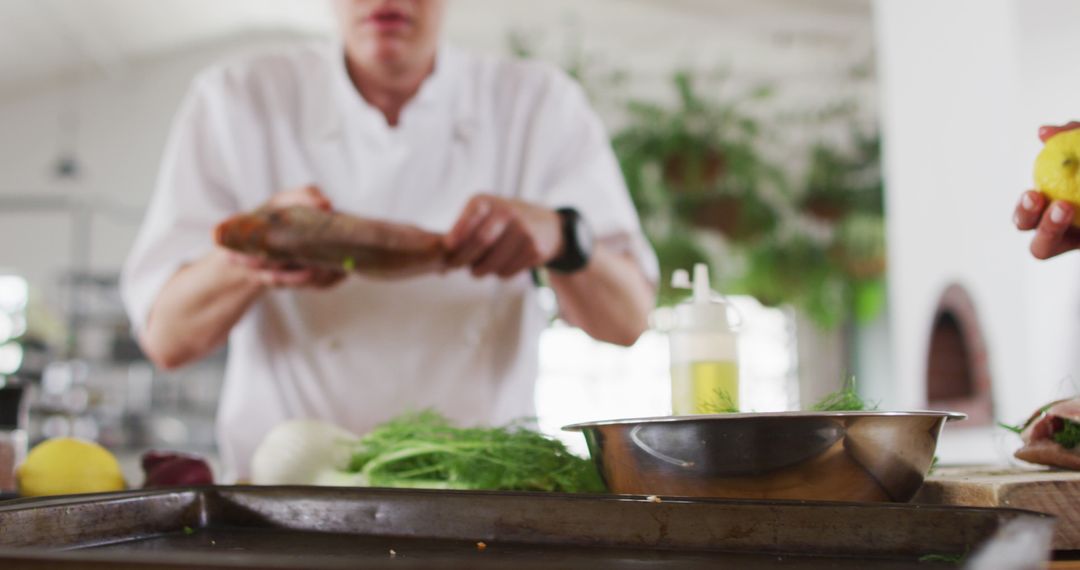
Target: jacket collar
<point>341,101</point>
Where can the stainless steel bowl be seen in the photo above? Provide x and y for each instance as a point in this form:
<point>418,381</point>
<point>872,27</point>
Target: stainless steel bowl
<point>826,456</point>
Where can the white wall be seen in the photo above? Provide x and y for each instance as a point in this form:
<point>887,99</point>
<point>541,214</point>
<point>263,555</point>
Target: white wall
<point>121,127</point>
<point>965,84</point>
<point>1048,93</point>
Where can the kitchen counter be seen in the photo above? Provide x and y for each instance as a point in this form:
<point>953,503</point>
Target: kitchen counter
<point>1052,491</point>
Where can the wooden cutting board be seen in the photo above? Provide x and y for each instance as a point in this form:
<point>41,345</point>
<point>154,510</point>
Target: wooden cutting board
<point>1044,490</point>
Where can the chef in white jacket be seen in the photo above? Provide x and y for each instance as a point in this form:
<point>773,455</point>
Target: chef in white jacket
<point>504,157</point>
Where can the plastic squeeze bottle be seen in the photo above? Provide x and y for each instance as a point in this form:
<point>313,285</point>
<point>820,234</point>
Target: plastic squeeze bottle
<point>704,360</point>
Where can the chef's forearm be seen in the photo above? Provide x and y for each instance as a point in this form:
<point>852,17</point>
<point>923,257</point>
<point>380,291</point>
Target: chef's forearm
<point>610,299</point>
<point>196,310</point>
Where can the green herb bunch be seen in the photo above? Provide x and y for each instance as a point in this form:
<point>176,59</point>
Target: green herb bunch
<point>424,450</point>
<point>1069,436</point>
<point>723,403</point>
<point>844,400</point>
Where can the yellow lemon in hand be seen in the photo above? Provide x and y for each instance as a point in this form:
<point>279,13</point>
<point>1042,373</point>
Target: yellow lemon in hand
<point>1057,169</point>
<point>68,466</point>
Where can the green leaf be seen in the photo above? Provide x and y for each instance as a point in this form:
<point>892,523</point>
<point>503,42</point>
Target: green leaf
<point>1015,429</point>
<point>1069,436</point>
<point>723,403</point>
<point>762,92</point>
<point>425,451</point>
<point>1019,428</point>
<point>684,85</point>
<point>870,298</point>
<point>846,399</point>
<point>521,44</point>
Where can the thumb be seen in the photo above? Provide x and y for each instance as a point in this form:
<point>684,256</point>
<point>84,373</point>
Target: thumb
<point>316,198</point>
<point>1047,132</point>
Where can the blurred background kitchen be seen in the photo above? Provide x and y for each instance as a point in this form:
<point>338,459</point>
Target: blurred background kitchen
<point>752,134</point>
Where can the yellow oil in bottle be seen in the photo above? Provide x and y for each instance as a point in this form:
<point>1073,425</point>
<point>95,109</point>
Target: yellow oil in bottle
<point>705,388</point>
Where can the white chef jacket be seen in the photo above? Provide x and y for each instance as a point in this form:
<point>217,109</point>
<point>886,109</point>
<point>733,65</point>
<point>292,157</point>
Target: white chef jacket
<point>368,350</point>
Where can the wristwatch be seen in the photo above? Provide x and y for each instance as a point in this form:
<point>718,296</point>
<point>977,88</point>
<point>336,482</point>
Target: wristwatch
<point>577,243</point>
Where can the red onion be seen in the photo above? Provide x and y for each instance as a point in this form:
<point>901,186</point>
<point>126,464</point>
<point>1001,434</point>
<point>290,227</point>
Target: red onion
<point>165,469</point>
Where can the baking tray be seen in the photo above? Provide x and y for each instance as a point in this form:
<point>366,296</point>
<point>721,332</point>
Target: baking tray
<point>308,527</point>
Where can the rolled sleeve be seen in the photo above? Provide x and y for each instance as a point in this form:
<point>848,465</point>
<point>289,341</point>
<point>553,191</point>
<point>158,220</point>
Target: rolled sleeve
<point>581,171</point>
<point>190,198</point>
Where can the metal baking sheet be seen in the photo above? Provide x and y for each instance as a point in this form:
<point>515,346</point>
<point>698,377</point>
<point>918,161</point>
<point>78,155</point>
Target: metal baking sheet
<point>306,527</point>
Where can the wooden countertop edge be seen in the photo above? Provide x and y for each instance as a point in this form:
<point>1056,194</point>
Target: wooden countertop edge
<point>1053,492</point>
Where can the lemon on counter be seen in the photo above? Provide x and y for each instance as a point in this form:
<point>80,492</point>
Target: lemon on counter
<point>69,466</point>
<point>1057,169</point>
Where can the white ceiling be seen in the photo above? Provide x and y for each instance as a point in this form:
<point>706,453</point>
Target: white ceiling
<point>43,41</point>
<point>43,38</point>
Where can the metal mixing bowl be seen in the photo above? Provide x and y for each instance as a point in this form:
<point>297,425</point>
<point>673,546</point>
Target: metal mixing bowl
<point>824,456</point>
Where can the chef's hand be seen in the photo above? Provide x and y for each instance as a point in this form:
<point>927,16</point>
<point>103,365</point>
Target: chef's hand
<point>284,275</point>
<point>499,236</point>
<point>1051,219</point>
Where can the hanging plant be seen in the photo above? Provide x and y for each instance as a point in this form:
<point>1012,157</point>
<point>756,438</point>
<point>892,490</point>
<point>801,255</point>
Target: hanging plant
<point>859,247</point>
<point>841,183</point>
<point>740,217</point>
<point>695,167</point>
<point>695,170</point>
<point>699,146</point>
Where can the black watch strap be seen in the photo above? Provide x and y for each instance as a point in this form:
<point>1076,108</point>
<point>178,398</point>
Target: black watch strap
<point>577,243</point>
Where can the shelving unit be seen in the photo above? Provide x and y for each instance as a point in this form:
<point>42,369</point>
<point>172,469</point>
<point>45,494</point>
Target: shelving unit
<point>100,386</point>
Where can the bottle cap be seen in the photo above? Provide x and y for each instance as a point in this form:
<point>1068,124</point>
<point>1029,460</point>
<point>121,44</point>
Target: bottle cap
<point>706,309</point>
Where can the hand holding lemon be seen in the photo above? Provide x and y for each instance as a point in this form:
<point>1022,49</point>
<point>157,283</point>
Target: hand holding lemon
<point>1053,210</point>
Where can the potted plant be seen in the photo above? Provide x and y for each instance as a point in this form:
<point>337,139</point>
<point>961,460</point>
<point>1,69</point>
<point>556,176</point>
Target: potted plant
<point>704,153</point>
<point>842,183</point>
